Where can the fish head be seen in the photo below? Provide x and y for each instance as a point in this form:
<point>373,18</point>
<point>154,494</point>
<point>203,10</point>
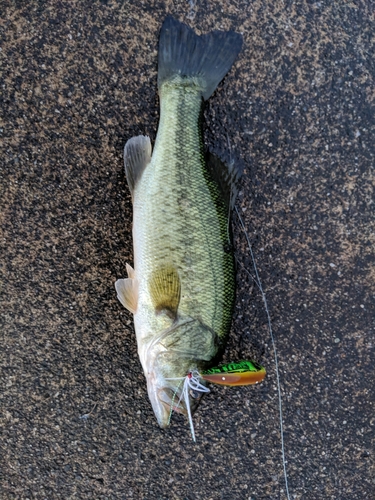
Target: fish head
<point>171,356</point>
<point>164,386</point>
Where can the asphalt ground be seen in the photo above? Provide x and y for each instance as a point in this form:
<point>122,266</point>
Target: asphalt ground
<point>78,78</point>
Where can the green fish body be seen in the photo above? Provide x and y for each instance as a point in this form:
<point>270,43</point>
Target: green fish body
<point>181,290</point>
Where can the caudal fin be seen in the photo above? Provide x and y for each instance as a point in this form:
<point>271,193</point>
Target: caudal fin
<point>208,58</point>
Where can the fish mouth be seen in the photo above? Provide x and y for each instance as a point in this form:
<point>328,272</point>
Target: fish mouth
<point>172,400</point>
<point>161,410</point>
<point>164,392</point>
<point>167,361</point>
<point>166,399</point>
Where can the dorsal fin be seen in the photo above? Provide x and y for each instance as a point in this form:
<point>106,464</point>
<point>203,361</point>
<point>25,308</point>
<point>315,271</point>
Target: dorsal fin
<point>137,155</point>
<point>165,289</point>
<point>227,176</point>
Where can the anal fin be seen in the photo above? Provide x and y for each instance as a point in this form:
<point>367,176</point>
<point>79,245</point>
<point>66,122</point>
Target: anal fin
<point>137,155</point>
<point>165,289</point>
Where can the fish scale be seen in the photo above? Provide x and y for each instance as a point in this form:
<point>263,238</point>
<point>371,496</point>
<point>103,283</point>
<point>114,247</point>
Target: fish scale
<point>188,227</point>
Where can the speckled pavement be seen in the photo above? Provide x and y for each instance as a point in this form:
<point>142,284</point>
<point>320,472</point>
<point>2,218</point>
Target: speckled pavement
<point>78,78</point>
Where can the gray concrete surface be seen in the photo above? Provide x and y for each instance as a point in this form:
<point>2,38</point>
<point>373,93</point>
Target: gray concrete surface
<point>78,78</point>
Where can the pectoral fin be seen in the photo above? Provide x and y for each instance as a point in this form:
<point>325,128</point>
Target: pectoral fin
<point>165,289</point>
<point>127,291</point>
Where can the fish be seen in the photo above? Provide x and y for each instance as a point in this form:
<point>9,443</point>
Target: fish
<point>181,289</point>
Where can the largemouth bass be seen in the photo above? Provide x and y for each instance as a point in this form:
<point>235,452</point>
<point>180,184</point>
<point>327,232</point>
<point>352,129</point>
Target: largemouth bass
<point>181,290</point>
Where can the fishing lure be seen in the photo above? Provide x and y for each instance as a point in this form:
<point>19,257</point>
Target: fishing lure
<point>231,374</point>
<point>234,374</point>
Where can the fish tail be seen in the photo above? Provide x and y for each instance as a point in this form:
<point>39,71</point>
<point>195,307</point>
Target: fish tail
<point>206,59</point>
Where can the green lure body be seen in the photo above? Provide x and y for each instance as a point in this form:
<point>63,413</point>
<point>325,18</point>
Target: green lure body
<point>232,374</point>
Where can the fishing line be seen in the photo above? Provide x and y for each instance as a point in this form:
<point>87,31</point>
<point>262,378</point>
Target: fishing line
<point>173,398</point>
<point>259,285</point>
